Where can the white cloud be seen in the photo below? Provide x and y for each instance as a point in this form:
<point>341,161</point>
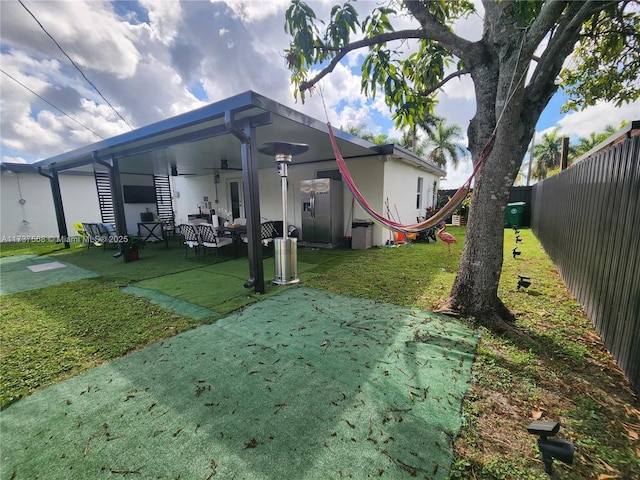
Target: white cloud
<point>164,18</point>
<point>459,88</point>
<point>147,58</point>
<point>457,177</point>
<point>597,118</point>
<point>250,11</point>
<point>8,159</point>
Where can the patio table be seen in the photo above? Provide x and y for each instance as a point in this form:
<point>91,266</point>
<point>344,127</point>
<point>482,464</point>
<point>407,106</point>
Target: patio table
<point>152,232</point>
<point>235,231</point>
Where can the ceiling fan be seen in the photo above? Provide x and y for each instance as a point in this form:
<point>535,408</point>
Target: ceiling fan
<point>175,173</point>
<point>224,165</point>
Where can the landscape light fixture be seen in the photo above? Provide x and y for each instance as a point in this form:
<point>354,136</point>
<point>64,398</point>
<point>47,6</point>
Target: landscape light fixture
<point>516,230</point>
<point>523,281</point>
<point>285,249</point>
<point>516,252</point>
<point>518,239</point>
<point>557,448</point>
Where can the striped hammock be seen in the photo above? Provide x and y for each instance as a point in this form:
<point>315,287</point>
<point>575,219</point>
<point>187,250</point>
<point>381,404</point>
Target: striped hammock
<point>432,221</point>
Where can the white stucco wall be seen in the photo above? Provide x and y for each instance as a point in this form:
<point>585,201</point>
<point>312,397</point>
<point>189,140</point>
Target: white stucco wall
<point>367,173</point>
<point>401,187</point>
<point>36,217</point>
<point>376,179</point>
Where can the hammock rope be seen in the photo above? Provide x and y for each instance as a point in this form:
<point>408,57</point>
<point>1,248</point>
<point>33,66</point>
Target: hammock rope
<point>432,221</point>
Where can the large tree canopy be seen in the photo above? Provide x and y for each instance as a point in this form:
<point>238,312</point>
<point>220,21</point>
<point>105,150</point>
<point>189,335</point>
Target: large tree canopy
<point>516,67</point>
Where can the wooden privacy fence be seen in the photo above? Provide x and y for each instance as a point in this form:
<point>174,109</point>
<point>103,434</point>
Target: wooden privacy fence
<point>587,218</point>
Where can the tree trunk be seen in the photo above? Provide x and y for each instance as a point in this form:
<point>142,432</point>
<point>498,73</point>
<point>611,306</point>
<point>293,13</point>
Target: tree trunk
<point>475,290</point>
<point>500,99</point>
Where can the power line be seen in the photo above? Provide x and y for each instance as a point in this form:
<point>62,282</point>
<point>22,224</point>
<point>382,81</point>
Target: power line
<point>47,101</point>
<point>74,64</point>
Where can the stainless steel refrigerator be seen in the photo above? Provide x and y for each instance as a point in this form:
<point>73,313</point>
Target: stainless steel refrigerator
<point>322,212</point>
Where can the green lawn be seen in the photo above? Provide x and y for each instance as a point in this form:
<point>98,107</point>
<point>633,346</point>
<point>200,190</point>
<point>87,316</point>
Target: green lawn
<point>558,369</point>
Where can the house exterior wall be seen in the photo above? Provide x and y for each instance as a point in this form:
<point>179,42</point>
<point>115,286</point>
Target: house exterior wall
<point>36,217</point>
<point>377,178</point>
<point>401,188</point>
<point>189,192</point>
<point>368,175</point>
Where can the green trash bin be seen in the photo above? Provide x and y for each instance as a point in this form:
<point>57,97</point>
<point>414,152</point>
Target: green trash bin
<point>515,214</point>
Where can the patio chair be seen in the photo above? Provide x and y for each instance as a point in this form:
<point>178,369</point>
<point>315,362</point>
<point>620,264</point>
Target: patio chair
<point>209,238</point>
<point>190,237</point>
<point>90,231</point>
<point>267,234</point>
<point>428,233</point>
<point>169,227</point>
<point>99,234</point>
<point>292,230</point>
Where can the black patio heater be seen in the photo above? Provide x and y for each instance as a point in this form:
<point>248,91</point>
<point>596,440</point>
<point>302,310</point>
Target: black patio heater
<point>285,248</point>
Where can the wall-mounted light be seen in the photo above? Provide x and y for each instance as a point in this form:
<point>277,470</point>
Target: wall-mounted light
<point>523,281</point>
<point>557,448</point>
<point>516,252</point>
<point>174,171</point>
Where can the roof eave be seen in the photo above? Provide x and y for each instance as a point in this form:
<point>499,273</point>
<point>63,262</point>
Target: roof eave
<point>408,155</point>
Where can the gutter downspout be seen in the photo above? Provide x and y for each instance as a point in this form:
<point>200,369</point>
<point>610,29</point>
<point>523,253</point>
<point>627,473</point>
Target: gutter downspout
<point>118,202</point>
<point>57,205</point>
<point>249,150</point>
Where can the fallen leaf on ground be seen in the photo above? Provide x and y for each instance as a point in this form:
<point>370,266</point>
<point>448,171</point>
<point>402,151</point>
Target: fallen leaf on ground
<point>632,411</point>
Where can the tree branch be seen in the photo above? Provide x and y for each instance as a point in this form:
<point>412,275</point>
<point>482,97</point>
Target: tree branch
<point>440,84</point>
<point>439,32</point>
<point>544,22</point>
<point>542,85</point>
<point>432,29</point>
<point>561,45</point>
<point>365,42</point>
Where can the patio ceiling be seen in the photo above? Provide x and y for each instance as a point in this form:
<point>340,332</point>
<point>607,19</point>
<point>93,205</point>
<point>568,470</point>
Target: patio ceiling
<point>196,142</point>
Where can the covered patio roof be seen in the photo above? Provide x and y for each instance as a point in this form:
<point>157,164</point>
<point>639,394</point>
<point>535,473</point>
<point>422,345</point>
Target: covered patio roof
<point>195,142</point>
<point>219,136</point>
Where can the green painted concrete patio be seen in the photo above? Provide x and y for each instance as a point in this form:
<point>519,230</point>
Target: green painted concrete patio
<point>297,384</point>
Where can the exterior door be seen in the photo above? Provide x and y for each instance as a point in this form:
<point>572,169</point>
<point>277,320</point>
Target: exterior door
<point>236,197</point>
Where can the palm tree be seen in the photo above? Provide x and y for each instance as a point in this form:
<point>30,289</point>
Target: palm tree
<point>411,137</point>
<point>359,131</point>
<point>445,141</point>
<point>546,155</point>
<point>587,143</point>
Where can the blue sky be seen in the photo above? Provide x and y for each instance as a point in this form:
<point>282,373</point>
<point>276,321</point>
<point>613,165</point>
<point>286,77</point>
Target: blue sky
<point>154,60</point>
